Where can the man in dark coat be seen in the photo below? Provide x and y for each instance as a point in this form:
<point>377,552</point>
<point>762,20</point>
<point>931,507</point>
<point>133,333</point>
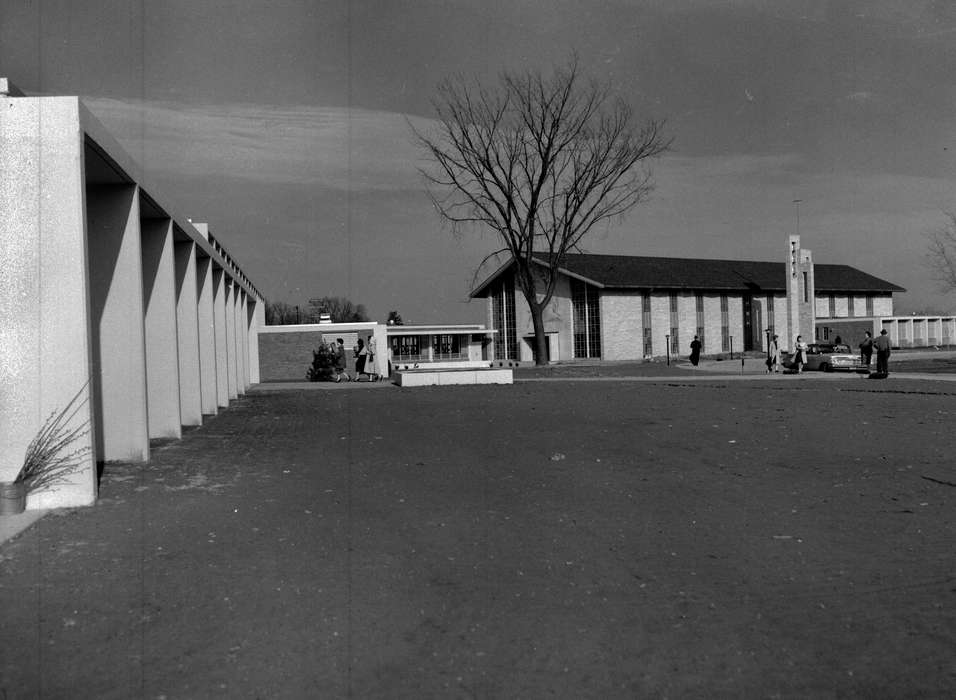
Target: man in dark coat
<point>866,349</point>
<point>695,351</point>
<point>882,345</point>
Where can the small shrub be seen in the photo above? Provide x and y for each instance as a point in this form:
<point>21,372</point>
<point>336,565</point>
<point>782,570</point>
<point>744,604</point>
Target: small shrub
<point>323,364</point>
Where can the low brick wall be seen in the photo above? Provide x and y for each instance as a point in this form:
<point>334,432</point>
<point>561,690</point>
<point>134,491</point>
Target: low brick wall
<point>285,357</point>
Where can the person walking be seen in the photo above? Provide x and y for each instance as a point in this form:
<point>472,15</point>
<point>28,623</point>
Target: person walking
<point>361,356</point>
<point>340,370</point>
<point>866,350</point>
<point>370,359</point>
<point>882,345</point>
<point>773,356</point>
<point>695,351</point>
<point>800,357</point>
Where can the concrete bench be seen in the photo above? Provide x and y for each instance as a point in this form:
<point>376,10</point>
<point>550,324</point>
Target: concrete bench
<point>448,377</point>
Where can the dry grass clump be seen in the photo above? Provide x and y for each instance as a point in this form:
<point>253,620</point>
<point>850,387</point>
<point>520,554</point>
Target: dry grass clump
<point>48,459</point>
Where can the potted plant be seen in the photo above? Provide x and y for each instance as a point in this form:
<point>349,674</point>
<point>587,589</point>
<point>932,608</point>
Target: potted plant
<point>48,459</point>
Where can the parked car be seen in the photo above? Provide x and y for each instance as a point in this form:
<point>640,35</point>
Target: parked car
<point>827,357</point>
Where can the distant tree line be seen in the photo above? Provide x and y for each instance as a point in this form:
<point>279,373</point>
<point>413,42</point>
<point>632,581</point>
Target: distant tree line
<point>339,309</point>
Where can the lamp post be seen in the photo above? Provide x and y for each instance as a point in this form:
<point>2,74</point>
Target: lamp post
<point>731,347</point>
<point>668,347</point>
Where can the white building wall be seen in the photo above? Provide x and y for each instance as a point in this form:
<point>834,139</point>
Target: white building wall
<point>736,319</point>
<point>560,320</point>
<point>822,306</point>
<point>660,322</point>
<point>842,303</point>
<point>712,325</point>
<point>858,307</point>
<point>45,325</point>
<point>948,333</point>
<point>556,318</point>
<point>780,320</point>
<point>621,325</point>
<point>883,305</point>
<point>687,321</point>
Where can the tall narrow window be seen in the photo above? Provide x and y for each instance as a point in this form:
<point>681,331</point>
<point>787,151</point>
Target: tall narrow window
<point>675,324</point>
<point>646,324</point>
<point>586,319</point>
<point>700,320</point>
<point>869,304</point>
<point>806,287</point>
<point>503,320</point>
<point>833,306</point>
<point>724,324</point>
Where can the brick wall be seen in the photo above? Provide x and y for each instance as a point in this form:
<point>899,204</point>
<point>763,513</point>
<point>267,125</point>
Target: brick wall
<point>883,305</point>
<point>621,329</point>
<point>858,306</point>
<point>287,357</point>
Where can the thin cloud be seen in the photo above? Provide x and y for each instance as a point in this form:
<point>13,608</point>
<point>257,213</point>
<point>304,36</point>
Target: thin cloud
<point>334,147</point>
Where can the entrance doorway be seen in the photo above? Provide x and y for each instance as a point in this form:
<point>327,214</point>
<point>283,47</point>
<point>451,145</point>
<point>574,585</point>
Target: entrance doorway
<point>753,323</point>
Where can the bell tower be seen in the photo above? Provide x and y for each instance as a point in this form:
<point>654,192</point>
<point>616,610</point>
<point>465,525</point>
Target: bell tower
<point>801,307</point>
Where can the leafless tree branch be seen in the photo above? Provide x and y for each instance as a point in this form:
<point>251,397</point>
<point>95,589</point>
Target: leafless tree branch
<point>539,159</point>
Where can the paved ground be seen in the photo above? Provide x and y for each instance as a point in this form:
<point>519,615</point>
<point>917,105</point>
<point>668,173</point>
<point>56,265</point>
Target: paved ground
<point>790,537</point>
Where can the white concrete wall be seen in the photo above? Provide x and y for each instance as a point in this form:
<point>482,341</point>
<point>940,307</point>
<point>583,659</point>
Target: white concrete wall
<point>85,281</point>
<point>257,321</point>
<point>206,289</point>
<point>119,345</point>
<point>187,334</point>
<point>230,320</point>
<point>219,328</point>
<point>162,341</point>
<point>45,343</point>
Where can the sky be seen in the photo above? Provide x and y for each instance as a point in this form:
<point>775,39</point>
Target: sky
<point>286,126</point>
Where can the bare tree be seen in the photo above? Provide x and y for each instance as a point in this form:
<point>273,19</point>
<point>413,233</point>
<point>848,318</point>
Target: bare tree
<point>540,160</point>
<point>341,309</point>
<point>941,253</point>
<point>279,312</point>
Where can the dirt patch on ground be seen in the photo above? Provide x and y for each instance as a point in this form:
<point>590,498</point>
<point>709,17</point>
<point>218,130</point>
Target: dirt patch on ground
<point>738,539</point>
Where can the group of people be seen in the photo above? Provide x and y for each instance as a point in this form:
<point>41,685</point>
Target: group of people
<point>880,345</point>
<point>364,354</point>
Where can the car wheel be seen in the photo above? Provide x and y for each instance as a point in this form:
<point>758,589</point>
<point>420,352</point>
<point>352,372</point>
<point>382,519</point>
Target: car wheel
<point>826,367</point>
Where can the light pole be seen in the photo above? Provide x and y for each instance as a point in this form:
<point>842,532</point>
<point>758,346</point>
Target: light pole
<point>668,345</point>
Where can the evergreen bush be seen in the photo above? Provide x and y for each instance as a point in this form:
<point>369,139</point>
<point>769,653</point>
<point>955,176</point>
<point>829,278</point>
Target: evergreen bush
<point>323,364</point>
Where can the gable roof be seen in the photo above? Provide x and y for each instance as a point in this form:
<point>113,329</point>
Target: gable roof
<point>644,272</point>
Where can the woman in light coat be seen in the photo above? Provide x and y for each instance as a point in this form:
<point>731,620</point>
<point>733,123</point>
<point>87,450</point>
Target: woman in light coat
<point>800,354</point>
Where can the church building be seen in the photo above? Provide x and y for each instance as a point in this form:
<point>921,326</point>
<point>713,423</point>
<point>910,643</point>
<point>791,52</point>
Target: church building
<point>618,307</point>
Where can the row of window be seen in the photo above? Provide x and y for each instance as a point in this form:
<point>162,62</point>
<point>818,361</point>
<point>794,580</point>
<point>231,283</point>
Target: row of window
<point>586,320</point>
<point>427,348</point>
<point>851,306</point>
